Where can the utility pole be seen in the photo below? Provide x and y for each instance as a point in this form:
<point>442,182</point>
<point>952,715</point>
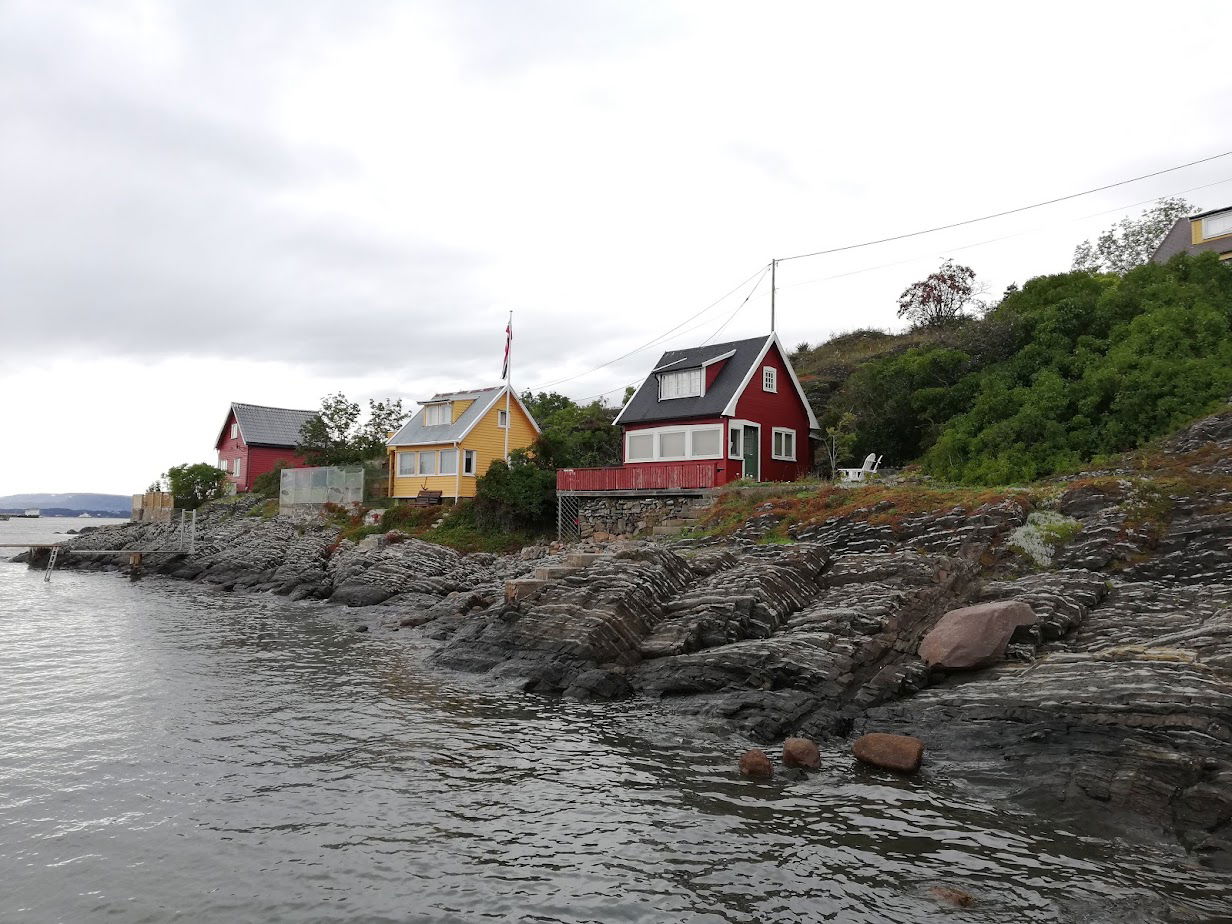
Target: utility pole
<point>774,265</point>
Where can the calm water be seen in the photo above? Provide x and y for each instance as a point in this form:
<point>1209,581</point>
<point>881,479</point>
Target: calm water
<point>167,753</point>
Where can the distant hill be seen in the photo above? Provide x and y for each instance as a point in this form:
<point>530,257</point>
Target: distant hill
<point>69,504</point>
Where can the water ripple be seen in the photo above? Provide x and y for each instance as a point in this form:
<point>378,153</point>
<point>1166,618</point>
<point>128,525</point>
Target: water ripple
<point>170,753</point>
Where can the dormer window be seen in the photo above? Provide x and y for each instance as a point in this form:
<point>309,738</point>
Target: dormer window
<point>769,379</point>
<point>436,415</point>
<point>687,383</point>
<point>1216,225</point>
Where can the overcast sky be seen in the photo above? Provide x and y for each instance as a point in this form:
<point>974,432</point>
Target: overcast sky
<point>268,202</point>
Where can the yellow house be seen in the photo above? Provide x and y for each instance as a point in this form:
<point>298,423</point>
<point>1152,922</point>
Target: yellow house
<point>454,438</point>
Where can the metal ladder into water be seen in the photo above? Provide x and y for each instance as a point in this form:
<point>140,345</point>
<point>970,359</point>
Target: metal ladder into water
<point>51,562</point>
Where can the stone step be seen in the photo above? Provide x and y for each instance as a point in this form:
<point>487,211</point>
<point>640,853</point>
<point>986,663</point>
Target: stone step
<point>554,572</point>
<point>523,589</point>
<point>666,531</point>
<point>583,559</point>
<point>681,521</point>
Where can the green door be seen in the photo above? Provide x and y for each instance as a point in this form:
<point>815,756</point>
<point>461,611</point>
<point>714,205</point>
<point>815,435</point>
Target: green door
<point>752,452</point>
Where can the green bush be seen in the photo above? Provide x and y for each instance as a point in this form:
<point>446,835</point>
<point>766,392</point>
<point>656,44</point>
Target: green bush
<point>269,484</point>
<point>518,495</point>
<point>1071,368</point>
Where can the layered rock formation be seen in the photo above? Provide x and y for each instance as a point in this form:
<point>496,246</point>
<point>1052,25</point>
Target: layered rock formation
<point>1113,702</point>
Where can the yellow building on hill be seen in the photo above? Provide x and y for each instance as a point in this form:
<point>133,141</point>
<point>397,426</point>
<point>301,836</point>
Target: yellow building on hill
<point>454,438</point>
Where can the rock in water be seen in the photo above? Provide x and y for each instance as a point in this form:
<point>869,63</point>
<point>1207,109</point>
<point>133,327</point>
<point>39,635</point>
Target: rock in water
<point>756,764</point>
<point>974,636</point>
<point>801,752</point>
<point>900,753</point>
<point>952,896</point>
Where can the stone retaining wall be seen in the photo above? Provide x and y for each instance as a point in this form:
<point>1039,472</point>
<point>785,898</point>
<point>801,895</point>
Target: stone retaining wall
<point>626,515</point>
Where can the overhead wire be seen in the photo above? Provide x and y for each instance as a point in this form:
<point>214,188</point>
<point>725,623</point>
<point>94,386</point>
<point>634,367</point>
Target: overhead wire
<point>760,270</point>
<point>1014,211</point>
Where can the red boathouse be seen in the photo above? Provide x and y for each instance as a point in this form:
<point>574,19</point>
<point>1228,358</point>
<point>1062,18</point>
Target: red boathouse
<point>254,439</point>
<point>708,416</point>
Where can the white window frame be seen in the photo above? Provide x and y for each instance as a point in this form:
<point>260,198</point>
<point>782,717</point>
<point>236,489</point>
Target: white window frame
<point>222,463</point>
<point>502,419</point>
<point>433,409</point>
<point>469,455</point>
<point>699,372</point>
<point>775,433</point>
<point>737,430</point>
<point>770,379</point>
<point>235,467</point>
<point>440,463</point>
<point>658,432</point>
<point>1217,226</point>
<point>235,429</point>
<point>413,458</point>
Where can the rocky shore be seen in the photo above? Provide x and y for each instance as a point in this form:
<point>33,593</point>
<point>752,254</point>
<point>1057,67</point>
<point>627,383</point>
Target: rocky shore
<point>1111,704</point>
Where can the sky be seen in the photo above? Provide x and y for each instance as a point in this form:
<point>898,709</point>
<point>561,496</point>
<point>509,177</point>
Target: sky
<point>268,203</point>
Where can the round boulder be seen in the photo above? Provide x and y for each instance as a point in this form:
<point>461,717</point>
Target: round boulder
<point>756,764</point>
<point>900,753</point>
<point>974,636</point>
<point>801,752</point>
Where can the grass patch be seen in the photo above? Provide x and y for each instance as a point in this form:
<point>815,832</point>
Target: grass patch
<point>878,504</point>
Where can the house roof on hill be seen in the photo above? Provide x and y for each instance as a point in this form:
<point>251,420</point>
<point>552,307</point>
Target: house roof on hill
<point>1180,239</point>
<point>416,433</point>
<point>267,426</point>
<point>719,397</point>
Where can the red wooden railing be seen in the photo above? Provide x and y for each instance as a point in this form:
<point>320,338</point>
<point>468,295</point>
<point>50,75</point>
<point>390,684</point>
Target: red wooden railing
<point>651,476</point>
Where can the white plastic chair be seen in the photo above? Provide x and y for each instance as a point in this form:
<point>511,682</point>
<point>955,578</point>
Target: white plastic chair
<point>854,475</point>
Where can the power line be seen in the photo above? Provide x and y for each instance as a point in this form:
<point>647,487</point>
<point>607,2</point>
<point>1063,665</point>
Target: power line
<point>739,308</point>
<point>650,343</point>
<point>1023,208</point>
<point>995,240</point>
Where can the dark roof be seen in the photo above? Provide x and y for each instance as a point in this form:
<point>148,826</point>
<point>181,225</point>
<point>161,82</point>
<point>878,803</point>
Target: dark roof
<point>268,426</point>
<point>1180,239</point>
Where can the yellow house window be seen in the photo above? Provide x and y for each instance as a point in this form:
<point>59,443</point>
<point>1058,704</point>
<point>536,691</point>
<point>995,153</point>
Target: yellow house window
<point>436,415</point>
<point>1217,225</point>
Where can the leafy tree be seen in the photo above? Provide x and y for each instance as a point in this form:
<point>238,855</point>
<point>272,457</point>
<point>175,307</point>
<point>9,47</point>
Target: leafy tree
<point>270,484</point>
<point>193,485</point>
<point>335,436</point>
<point>516,495</point>
<point>1131,241</point>
<point>939,299</point>
<point>839,437</point>
<point>573,435</point>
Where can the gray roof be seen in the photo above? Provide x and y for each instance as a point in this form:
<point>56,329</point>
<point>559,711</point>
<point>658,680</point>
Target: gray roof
<point>415,433</point>
<point>268,426</point>
<point>645,405</point>
<point>1180,240</point>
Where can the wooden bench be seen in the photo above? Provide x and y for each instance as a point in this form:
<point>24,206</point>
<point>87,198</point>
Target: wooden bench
<point>427,499</point>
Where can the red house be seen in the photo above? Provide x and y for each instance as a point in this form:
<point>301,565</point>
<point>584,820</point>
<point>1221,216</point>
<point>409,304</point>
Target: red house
<point>707,416</point>
<point>254,439</point>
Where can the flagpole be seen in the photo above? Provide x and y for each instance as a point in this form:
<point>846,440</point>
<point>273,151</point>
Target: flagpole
<point>508,376</point>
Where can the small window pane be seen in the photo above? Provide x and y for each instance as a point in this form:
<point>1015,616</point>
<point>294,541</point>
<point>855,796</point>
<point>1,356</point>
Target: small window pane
<point>789,445</point>
<point>237,467</point>
<point>684,384</point>
<point>1217,225</point>
<point>449,462</point>
<point>502,419</point>
<point>468,462</point>
<point>641,447</point>
<point>735,445</point>
<point>706,443</point>
<point>769,379</point>
<point>406,463</point>
<point>427,463</point>
<point>436,415</point>
<point>671,445</point>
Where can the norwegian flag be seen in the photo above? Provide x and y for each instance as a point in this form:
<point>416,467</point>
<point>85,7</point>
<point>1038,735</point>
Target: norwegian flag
<point>508,344</point>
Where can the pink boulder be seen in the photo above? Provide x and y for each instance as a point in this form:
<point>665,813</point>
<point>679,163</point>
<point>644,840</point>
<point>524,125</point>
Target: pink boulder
<point>801,752</point>
<point>974,636</point>
<point>900,753</point>
<point>755,763</point>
